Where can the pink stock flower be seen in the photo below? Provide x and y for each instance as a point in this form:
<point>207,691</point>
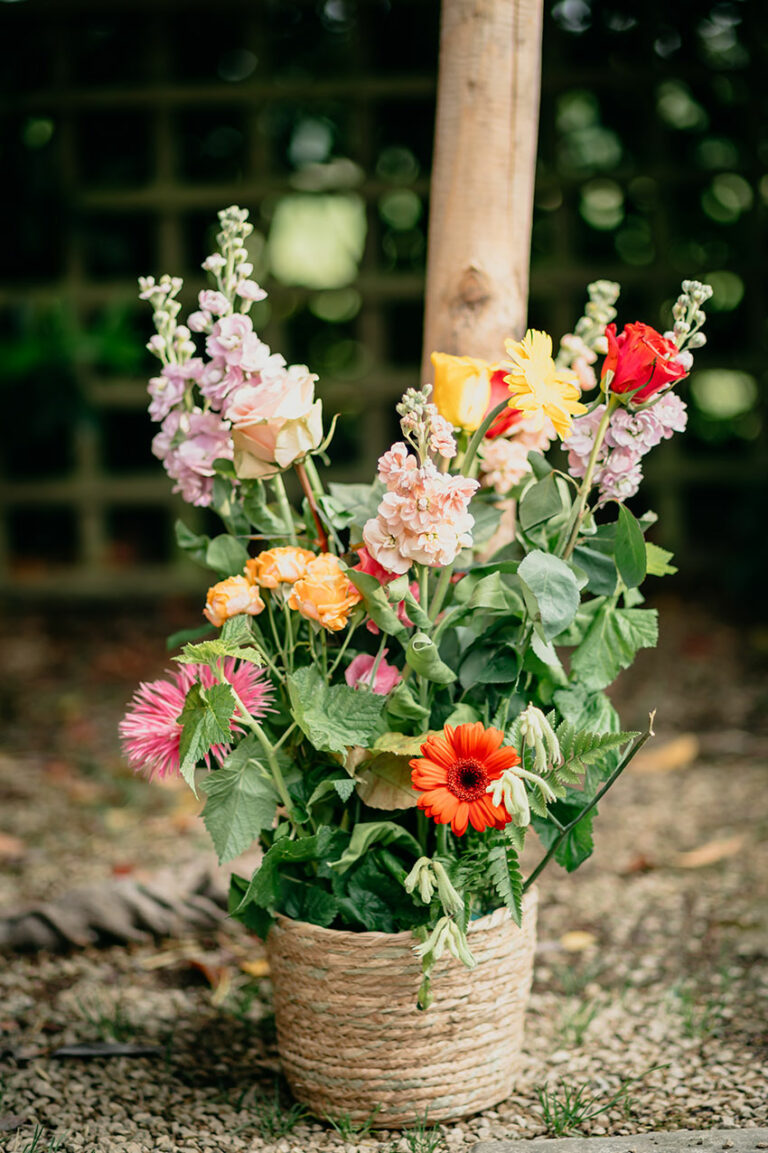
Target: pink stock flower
<point>250,290</point>
<point>359,672</point>
<point>503,463</point>
<point>233,338</point>
<point>212,301</point>
<point>199,321</point>
<point>166,394</point>
<point>672,414</point>
<point>150,731</point>
<point>441,438</point>
<point>398,468</point>
<point>188,444</point>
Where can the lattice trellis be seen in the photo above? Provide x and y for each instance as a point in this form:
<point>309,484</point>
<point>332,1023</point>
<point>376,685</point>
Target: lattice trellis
<point>139,122</point>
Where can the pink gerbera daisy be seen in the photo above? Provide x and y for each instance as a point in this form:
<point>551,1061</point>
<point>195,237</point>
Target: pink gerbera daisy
<point>150,730</point>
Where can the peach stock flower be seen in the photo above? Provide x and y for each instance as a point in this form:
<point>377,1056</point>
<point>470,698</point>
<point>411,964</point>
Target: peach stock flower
<point>231,597</point>
<point>325,593</point>
<point>277,566</point>
<point>538,387</point>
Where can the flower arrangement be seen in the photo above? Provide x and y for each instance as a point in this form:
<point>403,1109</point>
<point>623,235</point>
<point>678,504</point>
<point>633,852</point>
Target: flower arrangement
<point>387,695</point>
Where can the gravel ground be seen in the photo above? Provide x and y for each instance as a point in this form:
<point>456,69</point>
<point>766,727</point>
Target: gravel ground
<point>648,1004</point>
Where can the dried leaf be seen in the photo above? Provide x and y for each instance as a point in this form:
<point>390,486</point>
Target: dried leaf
<point>385,783</point>
<point>677,753</point>
<point>711,852</point>
<point>257,968</point>
<point>577,940</point>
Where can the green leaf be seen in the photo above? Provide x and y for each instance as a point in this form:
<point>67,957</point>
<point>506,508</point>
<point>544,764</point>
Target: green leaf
<point>488,666</point>
<point>490,593</point>
<point>580,749</point>
<point>263,516</point>
<point>551,591</point>
<point>369,833</point>
<point>462,714</point>
<point>578,845</point>
<point>402,704</point>
<point>307,902</point>
<point>333,718</point>
<point>540,466</point>
<point>600,569</point>
<point>256,919</point>
<point>504,872</point>
<point>423,657</point>
<point>377,605</point>
<point>264,886</point>
<point>359,501</point>
<point>205,721</point>
<point>658,560</point>
<point>226,500</point>
<point>194,544</point>
<point>343,787</point>
<point>611,643</point>
<point>226,556</point>
<point>241,801</point>
<point>540,502</point>
<point>630,549</point>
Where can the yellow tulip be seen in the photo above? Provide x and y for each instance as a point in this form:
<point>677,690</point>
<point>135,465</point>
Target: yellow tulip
<point>461,389</point>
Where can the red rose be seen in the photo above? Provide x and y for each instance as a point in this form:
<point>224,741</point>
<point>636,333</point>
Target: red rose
<point>641,358</point>
<point>510,416</point>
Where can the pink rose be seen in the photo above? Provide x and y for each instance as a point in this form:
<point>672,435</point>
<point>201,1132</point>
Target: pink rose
<point>359,673</point>
<point>275,423</point>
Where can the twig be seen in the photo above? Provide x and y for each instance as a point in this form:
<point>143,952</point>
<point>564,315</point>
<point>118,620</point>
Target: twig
<point>636,747</point>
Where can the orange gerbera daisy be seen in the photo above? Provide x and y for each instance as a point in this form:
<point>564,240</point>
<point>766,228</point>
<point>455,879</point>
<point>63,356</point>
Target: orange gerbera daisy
<point>454,772</point>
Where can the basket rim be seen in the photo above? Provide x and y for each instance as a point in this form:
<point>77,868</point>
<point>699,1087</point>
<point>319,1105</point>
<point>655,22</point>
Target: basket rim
<point>369,937</point>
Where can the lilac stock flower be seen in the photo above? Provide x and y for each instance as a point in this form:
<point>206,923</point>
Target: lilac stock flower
<point>188,443</point>
<point>629,436</point>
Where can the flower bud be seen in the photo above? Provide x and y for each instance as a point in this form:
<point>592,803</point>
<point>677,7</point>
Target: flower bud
<point>451,900</point>
<point>421,876</point>
<point>698,340</point>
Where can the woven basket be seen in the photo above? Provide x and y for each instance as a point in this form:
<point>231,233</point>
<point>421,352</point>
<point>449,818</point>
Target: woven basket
<point>353,1043</point>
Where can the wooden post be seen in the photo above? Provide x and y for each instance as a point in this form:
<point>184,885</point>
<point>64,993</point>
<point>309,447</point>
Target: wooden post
<point>482,177</point>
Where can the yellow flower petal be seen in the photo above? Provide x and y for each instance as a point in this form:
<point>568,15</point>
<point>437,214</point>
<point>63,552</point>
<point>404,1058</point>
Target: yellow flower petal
<point>461,389</point>
<point>538,386</point>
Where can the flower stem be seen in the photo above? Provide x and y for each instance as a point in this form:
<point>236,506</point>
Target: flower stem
<point>341,651</point>
<point>577,516</point>
<point>479,433</point>
<point>301,473</point>
<point>286,512</point>
<point>566,829</point>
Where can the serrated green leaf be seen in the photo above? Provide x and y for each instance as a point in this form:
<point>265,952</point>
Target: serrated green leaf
<point>241,801</point>
<point>226,556</point>
<point>205,721</point>
<point>264,886</point>
<point>343,787</point>
<point>630,549</point>
<point>185,636</point>
<point>658,560</point>
<point>551,591</point>
<point>333,718</point>
<point>611,643</point>
<point>211,652</point>
<point>307,902</point>
<point>504,872</point>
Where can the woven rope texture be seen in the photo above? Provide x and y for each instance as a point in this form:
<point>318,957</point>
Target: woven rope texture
<point>352,1041</point>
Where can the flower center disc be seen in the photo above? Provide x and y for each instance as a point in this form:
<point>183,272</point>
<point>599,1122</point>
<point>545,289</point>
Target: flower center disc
<point>467,780</point>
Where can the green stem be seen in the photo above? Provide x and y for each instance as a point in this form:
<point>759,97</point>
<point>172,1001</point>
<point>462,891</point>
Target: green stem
<point>579,508</point>
<point>377,661</point>
<point>565,830</point>
<point>269,753</point>
<point>443,584</point>
<point>285,736</point>
<point>342,650</point>
<point>322,536</point>
<point>286,512</point>
<point>478,434</point>
<point>424,602</point>
<point>442,840</point>
<point>273,627</point>
<point>314,476</point>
